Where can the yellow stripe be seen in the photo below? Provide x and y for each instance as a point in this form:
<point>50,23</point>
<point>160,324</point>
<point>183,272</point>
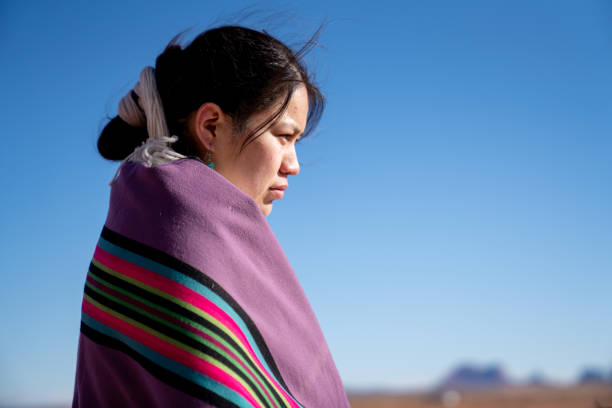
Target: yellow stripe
<point>182,330</point>
<point>173,299</point>
<point>175,343</point>
<point>204,315</point>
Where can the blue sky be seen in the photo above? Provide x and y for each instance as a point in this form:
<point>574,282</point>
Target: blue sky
<point>453,206</point>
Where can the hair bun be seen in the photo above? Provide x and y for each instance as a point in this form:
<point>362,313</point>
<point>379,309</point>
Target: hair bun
<point>118,139</point>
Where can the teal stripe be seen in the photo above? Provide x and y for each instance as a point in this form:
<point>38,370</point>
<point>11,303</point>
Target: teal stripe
<point>170,365</point>
<point>192,284</point>
<point>234,363</point>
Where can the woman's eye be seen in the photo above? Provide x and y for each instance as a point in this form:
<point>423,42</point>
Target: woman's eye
<point>290,137</point>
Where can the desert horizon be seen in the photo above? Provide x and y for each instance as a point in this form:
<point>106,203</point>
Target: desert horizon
<point>511,396</point>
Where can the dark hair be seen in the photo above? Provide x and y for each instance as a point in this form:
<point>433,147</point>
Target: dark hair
<point>244,71</point>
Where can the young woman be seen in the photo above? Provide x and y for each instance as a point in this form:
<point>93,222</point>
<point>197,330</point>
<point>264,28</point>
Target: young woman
<point>189,300</point>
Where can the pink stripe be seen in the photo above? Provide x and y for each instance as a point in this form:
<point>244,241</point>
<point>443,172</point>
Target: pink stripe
<point>166,349</point>
<point>170,287</point>
<point>181,324</point>
<point>186,294</point>
<point>233,355</point>
<point>239,361</point>
<point>140,305</point>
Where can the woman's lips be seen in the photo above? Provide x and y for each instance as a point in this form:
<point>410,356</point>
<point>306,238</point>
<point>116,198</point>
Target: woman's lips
<point>278,192</point>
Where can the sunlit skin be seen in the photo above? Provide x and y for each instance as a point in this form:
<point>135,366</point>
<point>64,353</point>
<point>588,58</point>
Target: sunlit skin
<point>263,167</point>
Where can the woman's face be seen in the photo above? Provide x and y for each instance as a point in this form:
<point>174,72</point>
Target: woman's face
<point>262,168</point>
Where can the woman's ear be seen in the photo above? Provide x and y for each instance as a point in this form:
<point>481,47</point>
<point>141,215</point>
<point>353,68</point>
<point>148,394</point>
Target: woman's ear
<point>205,123</point>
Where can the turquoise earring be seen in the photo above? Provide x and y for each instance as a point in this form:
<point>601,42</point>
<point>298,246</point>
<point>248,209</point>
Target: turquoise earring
<point>209,162</point>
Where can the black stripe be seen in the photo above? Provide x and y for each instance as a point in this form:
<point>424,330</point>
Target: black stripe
<point>170,332</point>
<point>159,301</point>
<point>186,269</point>
<point>162,374</point>
<point>163,303</point>
<point>145,294</point>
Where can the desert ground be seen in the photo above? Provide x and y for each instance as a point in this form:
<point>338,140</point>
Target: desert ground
<point>583,396</point>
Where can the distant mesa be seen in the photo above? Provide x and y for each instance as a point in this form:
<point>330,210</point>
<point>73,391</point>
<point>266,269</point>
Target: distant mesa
<point>468,377</point>
<point>593,375</point>
<point>537,379</point>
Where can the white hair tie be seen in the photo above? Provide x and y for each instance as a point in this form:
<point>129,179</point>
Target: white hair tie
<point>146,110</point>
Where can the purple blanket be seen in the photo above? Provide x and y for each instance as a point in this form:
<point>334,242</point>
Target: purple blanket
<point>190,302</point>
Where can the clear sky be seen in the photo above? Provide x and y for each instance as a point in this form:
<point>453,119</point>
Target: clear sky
<point>453,206</point>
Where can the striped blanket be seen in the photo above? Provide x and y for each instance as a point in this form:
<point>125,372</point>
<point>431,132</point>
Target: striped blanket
<point>189,301</point>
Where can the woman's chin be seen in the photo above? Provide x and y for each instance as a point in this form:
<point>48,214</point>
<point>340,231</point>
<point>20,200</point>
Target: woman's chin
<point>266,208</point>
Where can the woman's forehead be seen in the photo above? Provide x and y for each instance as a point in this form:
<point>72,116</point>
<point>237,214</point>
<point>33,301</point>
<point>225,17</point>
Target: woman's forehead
<point>294,115</point>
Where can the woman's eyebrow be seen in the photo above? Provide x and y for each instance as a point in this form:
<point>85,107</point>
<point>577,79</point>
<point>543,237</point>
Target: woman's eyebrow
<point>295,129</point>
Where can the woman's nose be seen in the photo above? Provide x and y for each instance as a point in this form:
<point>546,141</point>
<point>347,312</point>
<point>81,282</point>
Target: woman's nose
<point>290,164</point>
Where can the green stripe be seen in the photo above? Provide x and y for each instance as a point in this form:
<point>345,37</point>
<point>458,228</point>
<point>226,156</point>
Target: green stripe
<point>261,375</point>
<point>173,299</point>
<point>175,343</point>
<point>184,331</point>
<point>166,363</point>
<point>171,313</point>
<point>181,278</point>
